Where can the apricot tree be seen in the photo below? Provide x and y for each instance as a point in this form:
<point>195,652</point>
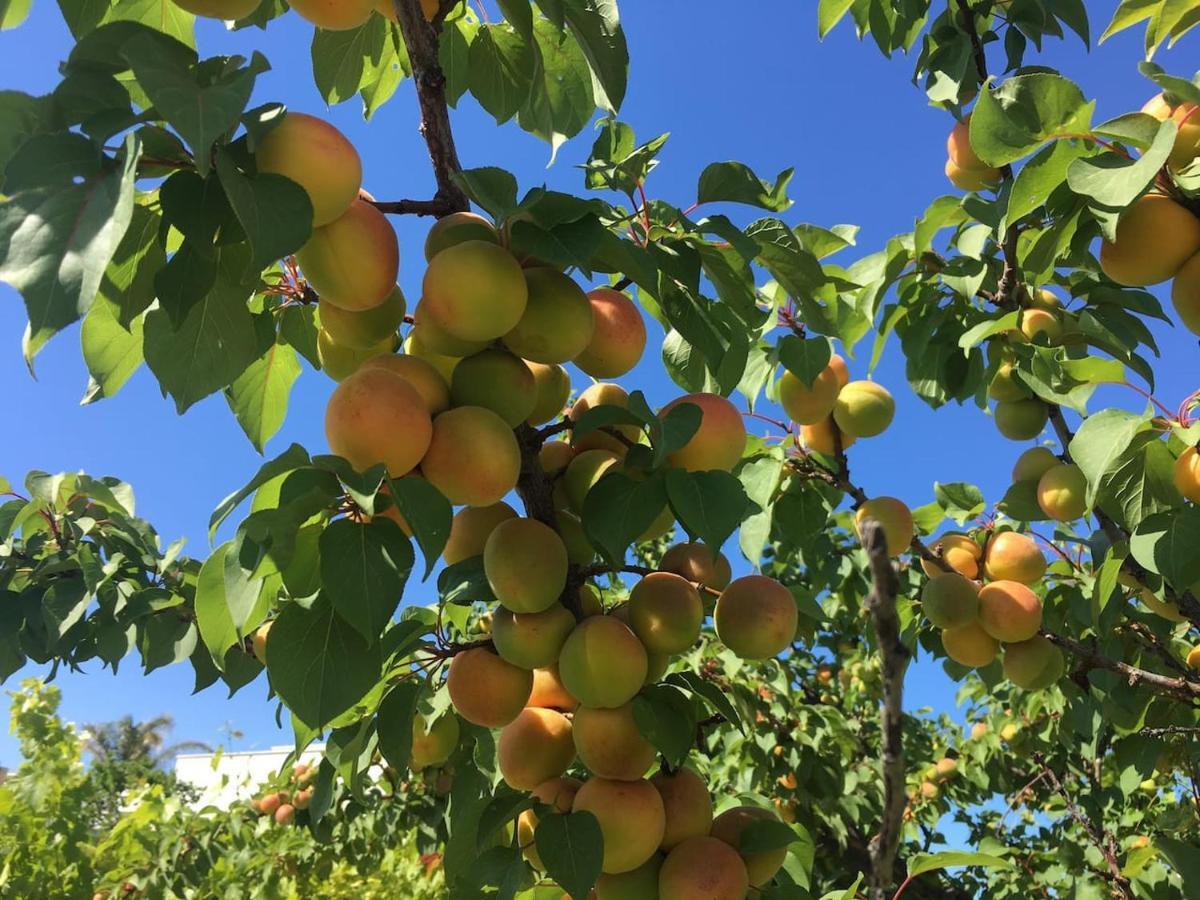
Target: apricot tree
<point>575,642</point>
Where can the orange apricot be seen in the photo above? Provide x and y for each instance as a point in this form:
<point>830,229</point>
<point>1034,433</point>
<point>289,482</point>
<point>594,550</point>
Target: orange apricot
<point>618,335</point>
<point>376,417</point>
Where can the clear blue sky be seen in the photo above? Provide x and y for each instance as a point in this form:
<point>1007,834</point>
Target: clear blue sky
<point>755,86</point>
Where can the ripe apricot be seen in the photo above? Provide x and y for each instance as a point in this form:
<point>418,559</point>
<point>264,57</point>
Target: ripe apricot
<point>334,15</point>
<point>821,437</point>
<point>525,563</point>
<point>1186,474</point>
<point>864,409</point>
<point>473,457</point>
<point>1033,664</point>
<point>970,645</point>
<point>972,179</point>
<point>631,820</point>
<point>720,440</point>
<point>583,471</point>
<point>552,388</point>
<point>602,662</point>
<point>1040,322</point>
<point>557,322</point>
<point>534,747</point>
<point>475,291</point>
<point>339,362</point>
<point>258,643</point>
<point>665,613</point>
<point>315,155</point>
<point>1010,556</point>
<point>896,519</point>
<point>610,744</point>
<point>603,394</point>
<point>978,730</point>
<point>756,617</point>
<point>1062,492</point>
<point>531,640</point>
<point>809,404</point>
<point>226,10</point>
<point>959,552</point>
<point>424,378</point>
<point>1033,464</point>
<point>458,227</point>
<point>949,600</point>
<point>433,744</point>
<point>285,815</point>
<point>555,456</point>
<point>1044,298</point>
<point>959,149</point>
<point>549,692</point>
<point>1155,237</point>
<point>1187,139</point>
<point>1185,294</point>
<point>1158,107</point>
<point>687,804</point>
<point>1021,420</point>
<point>486,690</point>
<point>558,794</point>
<point>698,563</point>
<point>1193,658</point>
<point>1009,611</point>
<point>636,884</point>
<point>728,827</point>
<point>352,261</point>
<point>703,867</point>
<point>471,527</point>
<point>495,380</point>
<point>618,335</point>
<point>367,328</point>
<point>376,417</point>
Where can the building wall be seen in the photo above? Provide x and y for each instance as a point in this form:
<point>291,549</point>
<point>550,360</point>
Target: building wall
<point>227,778</point>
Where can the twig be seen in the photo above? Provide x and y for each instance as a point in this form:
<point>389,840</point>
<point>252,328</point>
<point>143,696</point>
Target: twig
<point>1120,882</point>
<point>1089,658</point>
<point>436,207</point>
<point>1170,730</point>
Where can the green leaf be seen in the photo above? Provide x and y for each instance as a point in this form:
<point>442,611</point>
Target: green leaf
<point>707,504</point>
<point>1023,113</point>
<point>492,188</point>
<point>344,62</point>
<point>1100,441</point>
<point>1184,857</point>
<point>717,698</point>
<point>667,719</point>
<point>63,605</point>
<point>259,396</point>
<point>394,723</point>
<point>21,116</point>
<point>596,25</point>
<point>572,849</point>
<point>14,13</point>
<point>1175,553</point>
<point>364,566</point>
<point>1115,179</point>
<point>275,212</point>
<point>465,583</point>
<point>501,67</point>
<point>328,665</point>
<point>618,509</point>
<point>765,835</point>
<point>291,459</point>
<point>128,282</point>
<point>920,863</point>
<point>804,358</point>
<point>221,614</point>
<point>560,97</point>
<point>735,182</point>
<point>111,352</point>
<point>961,501</point>
<point>427,512</point>
<point>1039,178</point>
<point>56,243</point>
<point>829,13</point>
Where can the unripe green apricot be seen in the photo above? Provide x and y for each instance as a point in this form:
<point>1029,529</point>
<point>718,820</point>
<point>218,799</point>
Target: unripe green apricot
<point>475,291</point>
<point>1005,386</point>
<point>471,527</point>
<point>525,563</point>
<point>1033,464</point>
<point>496,380</point>
<point>439,340</point>
<point>1021,420</point>
<point>1033,664</point>
<point>433,744</point>
<point>457,228</point>
<point>1062,492</point>
<point>949,600</point>
<point>583,472</point>
<point>367,328</point>
<point>556,325</point>
<point>553,387</point>
<point>864,409</point>
<point>339,362</point>
<point>531,640</point>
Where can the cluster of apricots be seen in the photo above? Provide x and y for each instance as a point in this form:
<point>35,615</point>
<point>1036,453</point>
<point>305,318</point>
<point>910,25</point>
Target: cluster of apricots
<point>283,805</point>
<point>834,411</point>
<point>929,785</point>
<point>330,15</point>
<point>964,168</point>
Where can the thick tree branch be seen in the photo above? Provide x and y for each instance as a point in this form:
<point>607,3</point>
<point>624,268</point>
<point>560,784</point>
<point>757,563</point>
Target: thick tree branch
<point>881,603</point>
<point>1089,658</point>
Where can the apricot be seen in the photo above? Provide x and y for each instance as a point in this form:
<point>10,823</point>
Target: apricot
<point>422,375</point>
<point>432,746</point>
<point>665,613</point>
<point>805,404</point>
<point>820,437</point>
<point>1155,237</point>
<point>475,291</point>
<point>698,563</point>
<point>728,827</point>
<point>720,440</point>
<point>756,617</point>
<point>226,10</point>
<point>458,227</point>
<point>959,149</point>
<point>959,552</point>
<point>258,642</point>
<point>1187,139</point>
<point>415,346</point>
<point>1185,294</point>
<point>486,690</point>
<point>366,328</point>
<point>557,322</point>
<point>1009,611</point>
<point>438,340</point>
<point>376,417</point>
<point>687,804</point>
<point>473,457</point>
<point>978,730</point>
<point>950,600</point>
<point>1010,556</point>
<point>580,551</point>
<point>534,747</point>
<point>1164,608</point>
<point>525,563</point>
<point>1041,322</point>
<point>656,667</point>
<point>558,794</point>
<point>631,820</point>
<point>1044,298</point>
<point>1158,107</point>
<point>969,645</point>
<point>618,335</point>
<point>1033,464</point>
<point>555,456</point>
<point>583,472</point>
<point>1004,386</point>
<point>552,388</point>
<point>548,691</point>
<point>637,884</point>
<point>602,394</point>
<point>864,409</point>
<point>1021,420</point>
<point>352,262</point>
<point>602,663</point>
<point>972,179</point>
<point>531,640</point>
<point>339,362</point>
<point>1186,474</point>
<point>495,380</point>
<point>1062,492</point>
<point>471,527</point>
<point>896,519</point>
<point>334,15</point>
<point>590,602</point>
<point>315,155</point>
<point>270,803</point>
<point>285,815</point>
<point>703,867</point>
<point>610,744</point>
<point>1193,658</point>
<point>1033,664</point>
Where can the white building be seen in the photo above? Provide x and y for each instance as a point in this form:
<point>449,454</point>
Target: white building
<point>225,778</point>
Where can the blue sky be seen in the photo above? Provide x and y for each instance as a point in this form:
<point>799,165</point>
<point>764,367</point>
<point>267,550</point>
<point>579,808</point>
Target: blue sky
<point>756,87</point>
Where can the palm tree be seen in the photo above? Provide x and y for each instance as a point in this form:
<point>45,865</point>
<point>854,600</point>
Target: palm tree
<point>127,741</point>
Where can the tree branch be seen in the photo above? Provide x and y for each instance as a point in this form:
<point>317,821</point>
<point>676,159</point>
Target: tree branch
<point>881,603</point>
<point>435,207</point>
<point>1089,658</point>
